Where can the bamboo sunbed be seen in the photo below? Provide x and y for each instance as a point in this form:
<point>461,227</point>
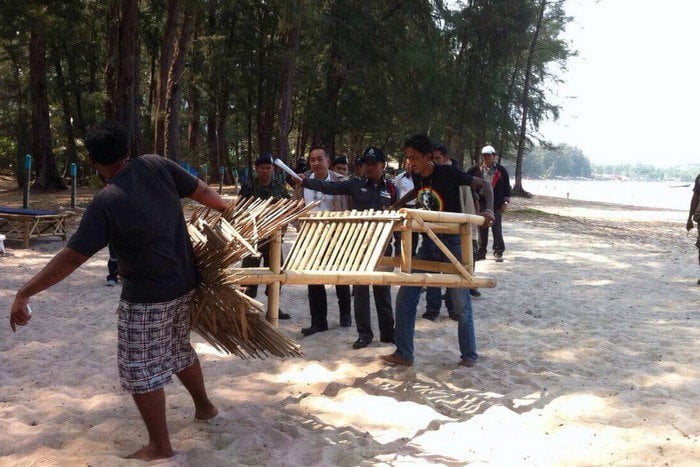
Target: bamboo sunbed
<point>25,224</point>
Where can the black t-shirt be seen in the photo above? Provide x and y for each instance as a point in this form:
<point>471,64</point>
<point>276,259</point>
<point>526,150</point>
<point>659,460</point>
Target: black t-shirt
<point>439,191</point>
<point>139,212</point>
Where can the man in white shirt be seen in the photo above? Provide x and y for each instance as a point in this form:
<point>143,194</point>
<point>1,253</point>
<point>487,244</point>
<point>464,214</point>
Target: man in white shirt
<point>319,162</point>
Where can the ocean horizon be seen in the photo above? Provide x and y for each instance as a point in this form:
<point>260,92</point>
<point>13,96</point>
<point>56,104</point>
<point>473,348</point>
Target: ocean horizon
<point>663,195</point>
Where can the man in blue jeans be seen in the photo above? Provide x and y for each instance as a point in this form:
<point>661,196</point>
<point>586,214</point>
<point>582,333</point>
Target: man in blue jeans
<point>437,190</point>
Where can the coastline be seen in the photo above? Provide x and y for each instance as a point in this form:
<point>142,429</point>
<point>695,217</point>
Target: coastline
<point>587,356</point>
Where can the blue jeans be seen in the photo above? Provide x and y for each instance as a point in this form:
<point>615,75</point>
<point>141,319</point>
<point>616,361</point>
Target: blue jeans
<point>407,304</point>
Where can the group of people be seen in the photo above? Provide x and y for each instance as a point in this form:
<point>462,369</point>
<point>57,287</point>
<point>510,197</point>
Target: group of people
<point>139,215</point>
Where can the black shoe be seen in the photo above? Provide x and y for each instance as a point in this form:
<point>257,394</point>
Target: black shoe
<point>431,315</point>
<point>498,257</point>
<point>346,321</point>
<point>312,330</point>
<point>283,315</point>
<point>454,316</point>
<point>361,342</point>
<point>474,292</point>
<point>478,256</point>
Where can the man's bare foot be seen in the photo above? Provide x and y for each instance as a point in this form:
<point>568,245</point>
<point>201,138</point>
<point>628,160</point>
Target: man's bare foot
<point>206,413</point>
<point>150,453</point>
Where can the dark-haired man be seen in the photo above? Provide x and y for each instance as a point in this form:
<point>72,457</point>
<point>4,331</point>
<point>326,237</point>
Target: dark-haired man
<point>263,186</point>
<point>437,190</point>
<point>372,192</point>
<point>140,214</point>
<point>340,165</point>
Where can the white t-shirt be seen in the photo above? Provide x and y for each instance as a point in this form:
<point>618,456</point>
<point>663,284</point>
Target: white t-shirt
<point>404,184</point>
<point>313,195</point>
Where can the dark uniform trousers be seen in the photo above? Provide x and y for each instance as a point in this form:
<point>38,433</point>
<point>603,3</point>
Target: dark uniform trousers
<point>385,315</point>
<point>253,262</point>
<point>318,304</point>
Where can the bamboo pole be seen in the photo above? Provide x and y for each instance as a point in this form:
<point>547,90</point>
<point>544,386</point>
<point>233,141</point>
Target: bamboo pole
<point>371,278</point>
<point>446,251</point>
<point>442,216</point>
<point>465,237</point>
<point>273,294</point>
<point>343,240</point>
<point>407,247</point>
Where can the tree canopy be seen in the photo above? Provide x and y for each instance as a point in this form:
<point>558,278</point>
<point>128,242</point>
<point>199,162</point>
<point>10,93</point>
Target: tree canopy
<point>217,82</point>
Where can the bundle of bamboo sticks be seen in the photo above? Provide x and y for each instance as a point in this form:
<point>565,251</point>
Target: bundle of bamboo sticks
<point>223,315</point>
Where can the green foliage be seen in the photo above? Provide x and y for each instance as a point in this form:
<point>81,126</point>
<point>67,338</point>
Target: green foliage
<point>648,173</point>
<point>366,72</point>
<point>561,161</point>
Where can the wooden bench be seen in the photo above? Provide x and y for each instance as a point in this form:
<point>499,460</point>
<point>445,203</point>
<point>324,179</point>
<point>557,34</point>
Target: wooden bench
<point>25,224</point>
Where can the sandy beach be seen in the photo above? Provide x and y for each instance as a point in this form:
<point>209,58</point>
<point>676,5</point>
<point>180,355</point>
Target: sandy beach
<point>588,356</point>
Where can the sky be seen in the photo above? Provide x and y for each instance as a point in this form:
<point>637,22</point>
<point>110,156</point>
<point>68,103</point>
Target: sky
<point>632,94</point>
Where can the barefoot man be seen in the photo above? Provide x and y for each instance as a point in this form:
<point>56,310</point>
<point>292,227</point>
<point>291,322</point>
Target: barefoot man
<point>140,215</point>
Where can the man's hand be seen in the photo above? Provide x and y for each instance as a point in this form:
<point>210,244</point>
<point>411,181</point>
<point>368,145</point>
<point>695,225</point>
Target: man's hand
<point>489,217</point>
<point>689,225</point>
<point>19,314</point>
<point>298,181</point>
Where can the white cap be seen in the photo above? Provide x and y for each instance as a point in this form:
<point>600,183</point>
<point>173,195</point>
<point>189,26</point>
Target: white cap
<point>488,150</point>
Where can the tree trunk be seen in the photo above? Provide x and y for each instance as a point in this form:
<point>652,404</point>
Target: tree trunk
<point>128,97</point>
<point>112,60</point>
<point>71,150</point>
<point>166,56</point>
<point>47,176</point>
<point>171,143</point>
<point>212,150</point>
<point>21,124</point>
<point>284,122</point>
<point>193,126</point>
<point>518,189</point>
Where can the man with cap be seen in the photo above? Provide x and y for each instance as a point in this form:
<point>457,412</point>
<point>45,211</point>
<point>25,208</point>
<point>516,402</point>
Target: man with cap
<point>263,186</point>
<point>318,301</point>
<point>372,192</point>
<point>340,165</point>
<point>497,176</point>
<point>437,189</point>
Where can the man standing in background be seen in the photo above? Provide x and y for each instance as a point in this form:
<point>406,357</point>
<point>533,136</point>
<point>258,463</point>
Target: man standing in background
<point>318,301</point>
<point>694,214</point>
<point>372,192</point>
<point>263,186</point>
<point>497,176</point>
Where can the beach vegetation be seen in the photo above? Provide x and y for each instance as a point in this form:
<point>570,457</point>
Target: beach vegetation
<point>220,82</point>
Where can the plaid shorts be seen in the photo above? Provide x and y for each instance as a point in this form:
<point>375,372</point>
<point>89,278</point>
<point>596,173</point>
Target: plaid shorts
<point>153,343</point>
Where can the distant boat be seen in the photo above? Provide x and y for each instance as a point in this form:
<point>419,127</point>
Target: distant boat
<point>678,185</point>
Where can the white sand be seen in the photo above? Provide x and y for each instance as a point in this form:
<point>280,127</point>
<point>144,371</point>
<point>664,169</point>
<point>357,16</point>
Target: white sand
<point>588,351</point>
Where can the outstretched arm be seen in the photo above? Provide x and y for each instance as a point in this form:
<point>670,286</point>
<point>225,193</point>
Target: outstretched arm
<point>206,195</point>
<point>64,263</point>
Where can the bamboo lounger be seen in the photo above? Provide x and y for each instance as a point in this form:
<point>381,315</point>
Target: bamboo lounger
<point>24,224</point>
<point>348,248</point>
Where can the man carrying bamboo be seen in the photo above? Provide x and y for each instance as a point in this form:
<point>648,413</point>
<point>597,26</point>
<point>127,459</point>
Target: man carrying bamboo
<point>140,214</point>
<point>437,189</point>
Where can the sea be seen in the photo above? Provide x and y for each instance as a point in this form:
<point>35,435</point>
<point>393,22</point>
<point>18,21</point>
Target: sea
<point>665,195</point>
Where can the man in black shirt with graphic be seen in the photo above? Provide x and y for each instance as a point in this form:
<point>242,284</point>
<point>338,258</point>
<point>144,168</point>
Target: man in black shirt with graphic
<point>437,190</point>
